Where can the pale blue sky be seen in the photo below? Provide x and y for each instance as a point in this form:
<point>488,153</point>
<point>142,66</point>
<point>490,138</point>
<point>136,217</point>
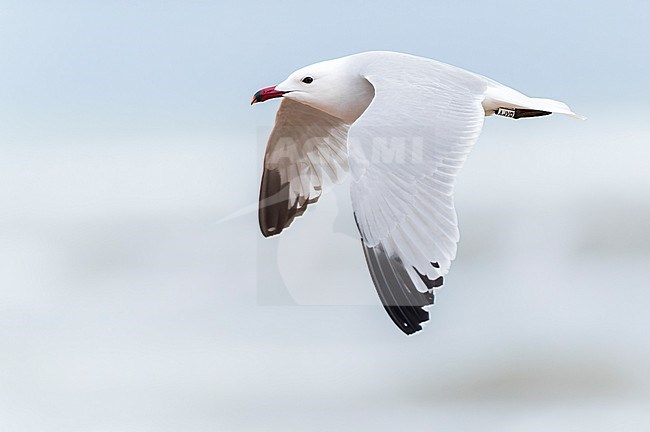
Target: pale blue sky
<point>91,68</point>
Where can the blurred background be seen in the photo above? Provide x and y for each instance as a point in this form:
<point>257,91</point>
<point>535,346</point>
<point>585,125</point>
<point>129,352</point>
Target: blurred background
<point>137,294</point>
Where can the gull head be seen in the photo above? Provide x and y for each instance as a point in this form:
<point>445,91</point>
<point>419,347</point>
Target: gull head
<point>333,86</point>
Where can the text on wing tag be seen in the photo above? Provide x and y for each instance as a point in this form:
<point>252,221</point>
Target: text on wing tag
<point>505,112</point>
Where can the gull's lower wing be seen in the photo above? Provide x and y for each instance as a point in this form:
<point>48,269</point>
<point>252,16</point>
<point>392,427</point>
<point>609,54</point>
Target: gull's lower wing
<point>305,148</point>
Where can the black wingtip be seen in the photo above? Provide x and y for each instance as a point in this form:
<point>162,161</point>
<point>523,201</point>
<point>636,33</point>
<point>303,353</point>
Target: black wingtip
<point>269,231</point>
<point>276,211</point>
<point>398,293</point>
<point>396,313</point>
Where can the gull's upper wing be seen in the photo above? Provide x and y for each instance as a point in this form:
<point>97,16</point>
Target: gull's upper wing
<point>306,147</point>
<point>404,154</point>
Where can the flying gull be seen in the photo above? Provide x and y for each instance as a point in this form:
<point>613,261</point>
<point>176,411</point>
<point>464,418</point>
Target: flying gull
<point>402,126</point>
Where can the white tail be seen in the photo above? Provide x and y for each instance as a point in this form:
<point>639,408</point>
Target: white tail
<point>499,96</point>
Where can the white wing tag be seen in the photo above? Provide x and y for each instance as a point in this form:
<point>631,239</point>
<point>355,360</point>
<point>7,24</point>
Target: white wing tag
<point>505,112</point>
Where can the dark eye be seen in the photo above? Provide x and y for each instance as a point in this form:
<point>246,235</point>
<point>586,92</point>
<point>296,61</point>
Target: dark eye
<point>308,80</point>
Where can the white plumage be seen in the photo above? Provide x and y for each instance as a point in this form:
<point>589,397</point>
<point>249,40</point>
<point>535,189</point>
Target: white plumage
<point>404,125</point>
